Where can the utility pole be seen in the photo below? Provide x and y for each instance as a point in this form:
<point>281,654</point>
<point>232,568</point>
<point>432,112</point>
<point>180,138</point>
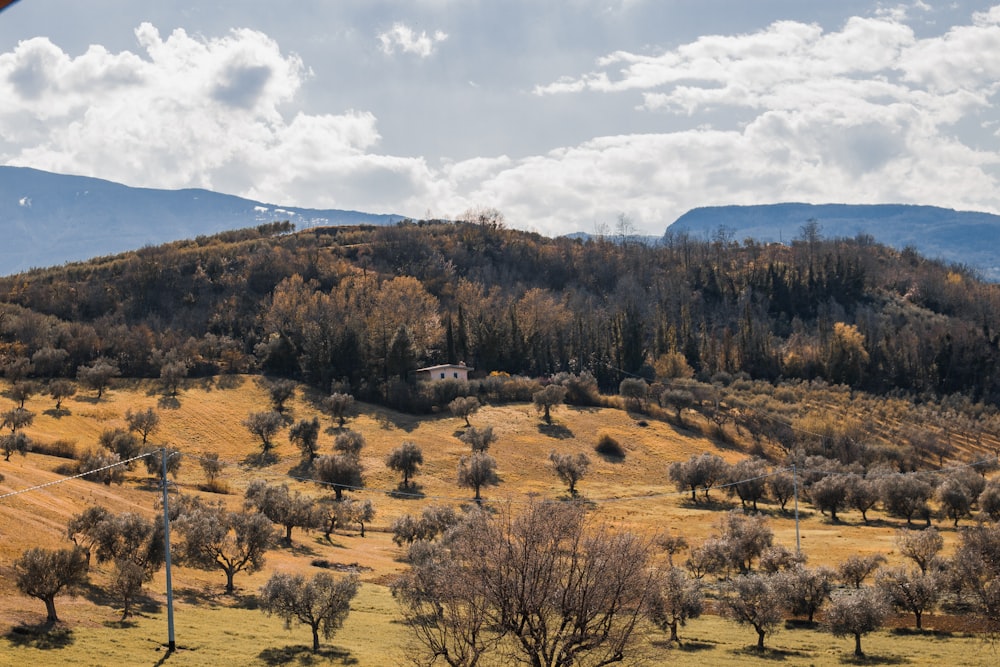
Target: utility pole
<point>171,644</point>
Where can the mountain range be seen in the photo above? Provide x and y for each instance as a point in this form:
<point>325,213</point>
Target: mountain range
<point>48,219</point>
<point>962,237</point>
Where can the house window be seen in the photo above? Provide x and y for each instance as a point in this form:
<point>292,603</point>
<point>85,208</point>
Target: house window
<point>442,376</point>
<point>456,373</point>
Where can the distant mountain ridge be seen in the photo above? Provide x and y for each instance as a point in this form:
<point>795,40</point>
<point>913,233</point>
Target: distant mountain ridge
<point>48,219</point>
<point>964,237</point>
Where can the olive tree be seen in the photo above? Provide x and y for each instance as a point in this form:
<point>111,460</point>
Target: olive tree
<point>479,440</point>
<point>283,507</point>
<point>755,600</point>
<point>144,422</point>
<point>98,375</point>
<point>338,405</point>
<point>215,538</point>
<point>321,602</point>
<point>343,472</point>
<point>264,425</point>
<point>304,434</point>
<point>405,459</point>
<point>857,613</point>
<point>570,469</point>
<point>45,573</point>
<point>673,599</point>
<point>547,398</point>
<point>60,390</point>
<point>464,407</point>
<point>477,471</point>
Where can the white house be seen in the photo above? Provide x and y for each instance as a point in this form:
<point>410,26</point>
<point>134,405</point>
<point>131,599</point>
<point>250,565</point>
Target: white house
<point>444,372</point>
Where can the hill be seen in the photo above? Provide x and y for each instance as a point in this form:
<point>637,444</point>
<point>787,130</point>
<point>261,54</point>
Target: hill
<point>48,219</point>
<point>960,237</point>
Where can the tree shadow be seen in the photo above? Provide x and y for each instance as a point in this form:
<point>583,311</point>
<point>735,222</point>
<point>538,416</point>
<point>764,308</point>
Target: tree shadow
<point>302,469</point>
<point>93,400</point>
<point>412,492</point>
<point>57,413</point>
<point>557,431</point>
<point>229,381</point>
<point>301,654</point>
<point>260,459</point>
<point>45,636</point>
<point>772,654</point>
<point>688,646</point>
<point>852,659</point>
<point>168,403</point>
<point>403,422</point>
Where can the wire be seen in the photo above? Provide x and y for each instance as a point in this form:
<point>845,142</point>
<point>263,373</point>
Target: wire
<point>77,476</point>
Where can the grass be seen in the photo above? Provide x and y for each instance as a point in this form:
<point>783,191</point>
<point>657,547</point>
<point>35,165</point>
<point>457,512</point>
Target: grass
<point>631,492</point>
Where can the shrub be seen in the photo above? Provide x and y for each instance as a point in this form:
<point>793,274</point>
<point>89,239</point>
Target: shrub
<point>64,449</point>
<point>608,446</point>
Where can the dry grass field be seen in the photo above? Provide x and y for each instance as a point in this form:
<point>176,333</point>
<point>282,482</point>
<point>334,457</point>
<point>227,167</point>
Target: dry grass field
<point>213,628</point>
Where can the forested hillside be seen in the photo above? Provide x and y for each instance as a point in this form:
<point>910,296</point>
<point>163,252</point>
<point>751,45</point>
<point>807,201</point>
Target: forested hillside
<point>365,306</point>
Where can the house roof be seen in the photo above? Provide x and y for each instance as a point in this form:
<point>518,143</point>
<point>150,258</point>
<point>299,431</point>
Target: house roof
<point>441,367</point>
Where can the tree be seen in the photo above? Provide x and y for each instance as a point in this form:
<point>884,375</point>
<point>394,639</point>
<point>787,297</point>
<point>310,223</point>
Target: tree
<point>154,461</point>
<point>211,466</point>
<point>856,569</point>
<point>989,499</point>
<point>741,540</point>
<point>479,440</point>
<point>477,471</point>
<point>14,442</point>
<point>349,443</point>
<point>954,499</point>
<point>674,599</point>
<point>338,405</point>
<point>570,469</point>
<point>102,466</point>
<point>49,362</point>
<point>464,407</point>
<point>912,591</point>
<point>548,398</point>
<point>341,471</point>
<point>405,459</point>
<point>782,487</point>
<point>862,494</point>
<point>754,600</point>
<point>280,392</point>
<point>264,425</point>
<point>350,511</point>
<point>144,422</point>
<point>976,567</point>
<point>806,589</point>
<point>543,583</point>
<point>288,510</point>
<point>322,602</point>
<point>906,495</point>
<point>172,374</point>
<point>22,390</point>
<point>60,390</point>
<point>435,521</point>
<point>17,419</point>
<point>98,375</point>
<point>215,538</point>
<point>679,399</point>
<point>702,471</point>
<point>829,494</point>
<point>120,442</point>
<point>634,391</point>
<point>920,546</point>
<point>748,480</point>
<point>82,528</point>
<point>45,573</point>
<point>857,613</point>
<point>304,434</point>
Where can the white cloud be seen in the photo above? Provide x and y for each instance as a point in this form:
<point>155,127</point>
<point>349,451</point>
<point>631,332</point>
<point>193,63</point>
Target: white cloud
<point>401,37</point>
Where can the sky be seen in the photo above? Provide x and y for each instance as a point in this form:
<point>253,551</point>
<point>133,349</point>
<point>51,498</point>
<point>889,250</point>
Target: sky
<point>567,116</point>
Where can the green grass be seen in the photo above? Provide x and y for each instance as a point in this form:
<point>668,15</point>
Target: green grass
<point>215,634</point>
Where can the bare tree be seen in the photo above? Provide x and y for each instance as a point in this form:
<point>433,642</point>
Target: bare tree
<point>674,599</point>
<point>464,407</point>
<point>543,583</point>
<point>45,573</point>
<point>856,614</point>
<point>477,471</point>
<point>405,459</point>
<point>322,602</point>
<point>570,469</point>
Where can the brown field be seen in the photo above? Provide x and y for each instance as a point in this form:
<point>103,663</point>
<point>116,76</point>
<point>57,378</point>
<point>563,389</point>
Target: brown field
<point>213,628</point>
